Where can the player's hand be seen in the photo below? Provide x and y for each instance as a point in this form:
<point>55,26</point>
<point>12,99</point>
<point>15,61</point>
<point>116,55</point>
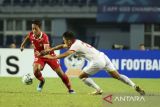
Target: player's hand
<point>45,52</point>
<point>37,53</point>
<point>22,48</point>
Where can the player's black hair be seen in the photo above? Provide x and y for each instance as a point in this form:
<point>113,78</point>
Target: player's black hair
<point>69,35</point>
<point>37,22</point>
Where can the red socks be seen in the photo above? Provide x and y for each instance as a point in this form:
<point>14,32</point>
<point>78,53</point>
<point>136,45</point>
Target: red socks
<point>64,78</point>
<point>66,81</point>
<point>39,76</point>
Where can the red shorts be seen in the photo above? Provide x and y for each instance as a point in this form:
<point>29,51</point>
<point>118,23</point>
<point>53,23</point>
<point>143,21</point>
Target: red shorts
<point>53,63</point>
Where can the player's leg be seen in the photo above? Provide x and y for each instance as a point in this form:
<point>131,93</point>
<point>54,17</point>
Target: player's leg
<point>114,73</point>
<point>84,76</point>
<point>64,79</point>
<point>57,68</point>
<point>127,81</point>
<point>122,78</point>
<point>37,67</point>
<point>89,82</point>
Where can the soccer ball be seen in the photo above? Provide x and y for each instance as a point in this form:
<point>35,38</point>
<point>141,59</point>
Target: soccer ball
<point>27,79</point>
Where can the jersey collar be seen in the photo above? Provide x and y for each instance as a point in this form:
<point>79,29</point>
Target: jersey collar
<point>39,36</point>
<point>73,41</point>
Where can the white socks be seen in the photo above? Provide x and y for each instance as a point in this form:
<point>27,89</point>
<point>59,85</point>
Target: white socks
<point>126,80</point>
<point>91,83</point>
<point>123,78</point>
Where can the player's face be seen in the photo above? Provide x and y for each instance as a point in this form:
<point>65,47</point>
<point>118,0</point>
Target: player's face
<point>36,30</point>
<point>67,42</point>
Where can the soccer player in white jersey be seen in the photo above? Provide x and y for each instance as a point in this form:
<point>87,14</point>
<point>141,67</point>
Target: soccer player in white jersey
<point>97,61</point>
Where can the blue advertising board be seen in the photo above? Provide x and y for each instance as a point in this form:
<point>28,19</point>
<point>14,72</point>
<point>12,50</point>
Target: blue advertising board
<point>133,63</point>
<point>130,11</point>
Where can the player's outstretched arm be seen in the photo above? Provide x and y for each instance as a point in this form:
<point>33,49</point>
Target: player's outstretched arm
<point>24,42</point>
<point>46,51</point>
<point>61,46</point>
<point>69,52</point>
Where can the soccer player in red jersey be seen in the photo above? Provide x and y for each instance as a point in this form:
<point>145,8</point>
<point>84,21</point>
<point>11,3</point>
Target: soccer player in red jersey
<point>40,42</point>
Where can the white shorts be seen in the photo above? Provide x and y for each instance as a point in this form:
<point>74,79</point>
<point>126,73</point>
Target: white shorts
<point>102,63</point>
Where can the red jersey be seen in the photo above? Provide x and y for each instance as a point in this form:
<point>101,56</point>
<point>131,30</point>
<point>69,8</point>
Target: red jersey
<point>38,43</point>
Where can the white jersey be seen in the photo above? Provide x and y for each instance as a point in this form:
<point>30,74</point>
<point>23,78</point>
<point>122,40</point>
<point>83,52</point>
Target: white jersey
<point>85,50</point>
<point>98,60</point>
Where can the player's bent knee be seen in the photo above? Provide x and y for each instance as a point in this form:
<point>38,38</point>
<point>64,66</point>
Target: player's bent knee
<point>83,75</point>
<point>115,75</point>
<point>80,77</point>
<point>37,67</point>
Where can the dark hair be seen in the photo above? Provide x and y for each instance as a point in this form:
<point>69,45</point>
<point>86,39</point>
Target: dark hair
<point>37,22</point>
<point>69,35</point>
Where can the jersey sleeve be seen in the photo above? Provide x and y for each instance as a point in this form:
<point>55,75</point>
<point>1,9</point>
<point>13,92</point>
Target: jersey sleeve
<point>74,47</point>
<point>46,40</point>
<point>30,35</point>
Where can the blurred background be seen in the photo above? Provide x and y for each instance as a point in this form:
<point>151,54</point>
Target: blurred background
<point>119,28</point>
<point>81,17</point>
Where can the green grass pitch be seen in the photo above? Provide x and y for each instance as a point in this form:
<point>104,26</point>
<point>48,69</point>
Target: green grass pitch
<point>13,93</point>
